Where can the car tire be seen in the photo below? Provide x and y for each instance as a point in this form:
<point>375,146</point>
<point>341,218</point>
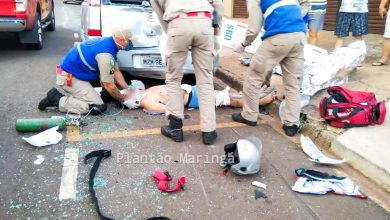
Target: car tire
<point>38,32</point>
<point>52,25</point>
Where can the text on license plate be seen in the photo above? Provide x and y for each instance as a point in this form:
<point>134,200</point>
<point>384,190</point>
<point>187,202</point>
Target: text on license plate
<point>152,60</point>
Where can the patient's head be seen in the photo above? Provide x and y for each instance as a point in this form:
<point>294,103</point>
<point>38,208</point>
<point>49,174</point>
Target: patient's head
<point>132,97</point>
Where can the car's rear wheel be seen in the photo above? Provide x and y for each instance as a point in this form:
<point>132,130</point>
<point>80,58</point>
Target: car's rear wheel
<point>52,25</point>
<point>38,34</point>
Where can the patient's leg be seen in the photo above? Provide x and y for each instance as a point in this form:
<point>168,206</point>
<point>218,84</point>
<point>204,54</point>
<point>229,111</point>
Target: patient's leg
<point>267,96</point>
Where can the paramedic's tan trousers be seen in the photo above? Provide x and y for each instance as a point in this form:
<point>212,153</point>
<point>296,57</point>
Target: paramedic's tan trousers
<point>79,96</point>
<point>198,33</point>
<point>286,49</point>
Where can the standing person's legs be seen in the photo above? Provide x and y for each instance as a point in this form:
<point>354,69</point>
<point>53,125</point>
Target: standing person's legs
<point>339,42</point>
<point>268,55</point>
<point>81,98</point>
<point>176,54</point>
<point>385,52</point>
<point>343,23</point>
<point>292,67</point>
<point>316,23</point>
<point>359,25</point>
<point>178,40</point>
<point>203,63</point>
<point>204,81</point>
<point>386,44</point>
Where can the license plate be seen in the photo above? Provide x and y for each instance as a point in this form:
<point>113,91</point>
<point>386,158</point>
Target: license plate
<point>152,61</point>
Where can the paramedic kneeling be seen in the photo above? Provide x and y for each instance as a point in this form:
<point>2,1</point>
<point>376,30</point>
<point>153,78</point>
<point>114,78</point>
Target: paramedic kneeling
<point>89,60</point>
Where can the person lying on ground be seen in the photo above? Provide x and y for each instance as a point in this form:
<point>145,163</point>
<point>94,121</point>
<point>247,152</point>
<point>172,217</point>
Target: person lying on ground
<point>154,99</point>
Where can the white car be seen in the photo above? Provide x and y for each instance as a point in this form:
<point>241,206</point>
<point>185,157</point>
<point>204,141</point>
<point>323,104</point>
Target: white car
<point>98,17</point>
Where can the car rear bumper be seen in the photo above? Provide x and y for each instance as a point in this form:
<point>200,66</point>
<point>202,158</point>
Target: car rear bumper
<point>12,24</point>
<point>131,62</point>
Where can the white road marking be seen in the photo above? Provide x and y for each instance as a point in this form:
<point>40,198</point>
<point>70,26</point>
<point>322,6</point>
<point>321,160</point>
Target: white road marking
<point>69,174</point>
<point>76,35</point>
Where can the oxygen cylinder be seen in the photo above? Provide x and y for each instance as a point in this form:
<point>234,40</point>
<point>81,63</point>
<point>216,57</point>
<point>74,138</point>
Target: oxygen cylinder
<point>39,124</point>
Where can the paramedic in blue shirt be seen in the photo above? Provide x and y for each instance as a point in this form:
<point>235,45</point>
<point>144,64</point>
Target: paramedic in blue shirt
<point>88,61</point>
<point>282,43</point>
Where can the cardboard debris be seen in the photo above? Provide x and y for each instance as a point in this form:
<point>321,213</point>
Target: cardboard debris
<point>39,160</point>
<point>259,184</point>
<point>44,138</point>
<point>315,154</point>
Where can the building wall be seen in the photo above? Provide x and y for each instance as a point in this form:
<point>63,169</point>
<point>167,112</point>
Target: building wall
<point>239,9</point>
<point>228,8</point>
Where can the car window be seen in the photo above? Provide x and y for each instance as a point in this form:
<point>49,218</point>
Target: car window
<point>124,2</point>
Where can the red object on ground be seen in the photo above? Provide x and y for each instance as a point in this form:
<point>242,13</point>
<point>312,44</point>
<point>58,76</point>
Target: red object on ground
<point>225,172</point>
<point>163,178</point>
<point>346,108</point>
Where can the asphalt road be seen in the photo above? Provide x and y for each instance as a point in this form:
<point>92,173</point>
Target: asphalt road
<point>58,187</point>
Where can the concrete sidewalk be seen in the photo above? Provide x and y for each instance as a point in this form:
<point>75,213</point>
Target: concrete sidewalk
<point>367,149</point>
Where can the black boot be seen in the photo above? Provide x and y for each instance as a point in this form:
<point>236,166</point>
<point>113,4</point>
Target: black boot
<point>291,130</point>
<point>238,118</point>
<point>209,137</point>
<point>95,109</point>
<point>174,130</point>
<point>52,99</point>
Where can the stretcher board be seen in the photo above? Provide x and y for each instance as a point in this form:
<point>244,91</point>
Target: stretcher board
<point>233,33</point>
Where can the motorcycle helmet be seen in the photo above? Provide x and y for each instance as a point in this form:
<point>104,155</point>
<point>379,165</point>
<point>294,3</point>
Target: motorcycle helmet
<point>244,156</point>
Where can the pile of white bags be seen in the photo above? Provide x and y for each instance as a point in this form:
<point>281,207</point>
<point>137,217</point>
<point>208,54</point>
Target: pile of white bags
<point>323,70</point>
